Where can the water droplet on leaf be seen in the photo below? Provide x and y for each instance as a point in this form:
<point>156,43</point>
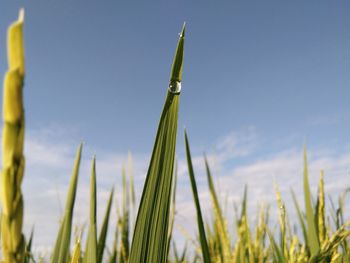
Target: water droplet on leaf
<point>175,87</point>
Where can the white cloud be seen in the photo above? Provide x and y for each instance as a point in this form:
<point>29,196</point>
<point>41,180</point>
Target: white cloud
<point>237,144</point>
<point>284,168</point>
<point>50,159</point>
<point>49,163</point>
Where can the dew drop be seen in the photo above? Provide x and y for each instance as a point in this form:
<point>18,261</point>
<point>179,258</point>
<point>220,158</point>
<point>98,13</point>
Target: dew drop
<point>175,87</point>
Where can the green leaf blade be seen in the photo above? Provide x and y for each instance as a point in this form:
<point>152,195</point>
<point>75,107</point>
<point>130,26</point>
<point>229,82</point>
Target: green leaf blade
<point>61,249</point>
<point>151,229</point>
<point>312,237</point>
<point>200,223</point>
<point>104,229</point>
<point>91,245</point>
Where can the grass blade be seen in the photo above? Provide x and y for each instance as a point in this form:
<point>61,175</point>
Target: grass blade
<point>220,222</point>
<point>91,244</point>
<point>28,252</point>
<point>114,253</point>
<point>61,249</point>
<point>103,233</point>
<point>76,252</point>
<point>312,238</point>
<point>172,208</point>
<point>278,254</point>
<point>300,216</point>
<point>152,223</point>
<point>124,222</point>
<point>200,223</point>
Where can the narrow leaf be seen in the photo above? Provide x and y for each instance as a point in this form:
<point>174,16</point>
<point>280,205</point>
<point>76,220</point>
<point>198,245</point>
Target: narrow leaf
<point>61,249</point>
<point>91,245</point>
<point>104,229</point>
<point>76,253</point>
<point>311,231</point>
<point>28,252</point>
<point>172,208</point>
<point>151,229</point>
<point>278,254</point>
<point>300,216</point>
<point>221,227</point>
<point>200,223</point>
<point>124,222</point>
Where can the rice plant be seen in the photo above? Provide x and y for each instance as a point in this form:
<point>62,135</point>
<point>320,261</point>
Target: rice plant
<point>13,244</point>
<point>322,243</point>
<point>148,238</point>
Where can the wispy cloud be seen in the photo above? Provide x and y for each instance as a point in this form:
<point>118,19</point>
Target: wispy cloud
<point>285,168</point>
<point>50,159</point>
<point>237,143</point>
<point>49,162</point>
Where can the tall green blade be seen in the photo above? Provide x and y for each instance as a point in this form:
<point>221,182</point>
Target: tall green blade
<point>103,233</point>
<point>124,222</point>
<point>172,208</point>
<point>151,229</point>
<point>277,253</point>
<point>220,223</point>
<point>311,231</point>
<point>91,245</point>
<point>28,251</point>
<point>200,223</point>
<point>300,216</point>
<point>132,212</point>
<point>61,249</point>
<point>114,252</point>
<point>213,194</point>
<point>131,180</point>
<point>76,253</point>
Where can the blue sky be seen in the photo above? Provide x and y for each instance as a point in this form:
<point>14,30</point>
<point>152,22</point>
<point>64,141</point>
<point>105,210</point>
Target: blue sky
<point>260,79</point>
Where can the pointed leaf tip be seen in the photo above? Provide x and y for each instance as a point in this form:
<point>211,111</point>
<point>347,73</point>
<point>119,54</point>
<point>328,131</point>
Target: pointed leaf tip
<point>182,34</point>
<point>21,15</point>
<point>176,71</point>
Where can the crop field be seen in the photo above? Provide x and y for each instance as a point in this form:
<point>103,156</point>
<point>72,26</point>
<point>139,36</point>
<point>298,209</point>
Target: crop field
<point>143,230</point>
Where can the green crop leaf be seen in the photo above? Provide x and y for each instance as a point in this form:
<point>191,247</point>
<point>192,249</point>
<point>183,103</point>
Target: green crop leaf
<point>222,232</point>
<point>124,222</point>
<point>28,251</point>
<point>104,229</point>
<point>91,244</point>
<point>300,216</point>
<point>200,223</point>
<point>76,253</point>
<point>61,249</point>
<point>277,253</point>
<point>172,208</point>
<point>114,252</point>
<point>311,231</point>
<point>151,229</point>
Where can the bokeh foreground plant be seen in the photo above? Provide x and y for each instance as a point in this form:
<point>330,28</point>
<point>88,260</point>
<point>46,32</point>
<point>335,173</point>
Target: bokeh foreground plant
<point>13,243</point>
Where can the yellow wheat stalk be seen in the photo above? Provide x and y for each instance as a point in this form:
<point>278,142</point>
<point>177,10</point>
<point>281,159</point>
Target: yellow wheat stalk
<point>282,220</point>
<point>321,211</point>
<point>76,252</point>
<point>12,148</point>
